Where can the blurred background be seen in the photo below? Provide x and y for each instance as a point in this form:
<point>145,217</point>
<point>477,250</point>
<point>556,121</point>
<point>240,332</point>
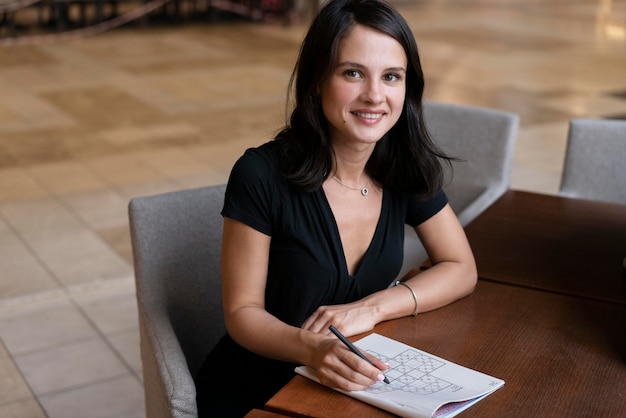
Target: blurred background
<point>102,101</point>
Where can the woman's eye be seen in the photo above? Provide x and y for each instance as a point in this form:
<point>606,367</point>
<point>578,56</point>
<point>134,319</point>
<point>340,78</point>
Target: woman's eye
<point>352,73</point>
<point>391,77</point>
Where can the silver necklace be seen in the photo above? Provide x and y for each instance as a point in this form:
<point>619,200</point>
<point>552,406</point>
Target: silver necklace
<point>364,190</point>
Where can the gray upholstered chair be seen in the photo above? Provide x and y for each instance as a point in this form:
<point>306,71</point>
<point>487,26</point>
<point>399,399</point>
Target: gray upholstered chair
<point>484,141</point>
<point>176,240</point>
<point>595,161</point>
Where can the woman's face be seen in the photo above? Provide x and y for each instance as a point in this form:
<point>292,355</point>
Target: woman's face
<point>364,95</point>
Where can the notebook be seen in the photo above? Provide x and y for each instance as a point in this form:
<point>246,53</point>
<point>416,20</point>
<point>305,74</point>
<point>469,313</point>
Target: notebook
<point>421,384</point>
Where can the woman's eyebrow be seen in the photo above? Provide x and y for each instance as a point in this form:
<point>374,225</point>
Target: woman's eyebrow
<point>361,66</point>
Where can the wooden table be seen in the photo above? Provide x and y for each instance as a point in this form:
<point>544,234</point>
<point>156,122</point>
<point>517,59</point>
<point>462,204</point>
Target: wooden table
<point>259,413</point>
<point>548,316</point>
<point>553,243</point>
<point>559,355</point>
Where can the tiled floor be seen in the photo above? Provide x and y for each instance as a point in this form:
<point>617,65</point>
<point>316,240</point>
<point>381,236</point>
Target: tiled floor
<point>86,125</point>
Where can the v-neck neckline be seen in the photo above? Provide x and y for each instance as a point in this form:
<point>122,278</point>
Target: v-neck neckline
<point>337,235</point>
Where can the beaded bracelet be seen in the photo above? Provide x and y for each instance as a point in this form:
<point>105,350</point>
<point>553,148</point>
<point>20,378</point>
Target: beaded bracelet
<point>412,293</point>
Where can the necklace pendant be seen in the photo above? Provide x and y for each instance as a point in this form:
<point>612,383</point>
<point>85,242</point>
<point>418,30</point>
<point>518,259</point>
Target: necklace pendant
<point>364,190</point>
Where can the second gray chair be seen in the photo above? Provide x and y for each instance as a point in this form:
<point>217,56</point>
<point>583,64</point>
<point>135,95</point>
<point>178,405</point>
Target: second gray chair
<point>595,161</point>
<point>484,141</point>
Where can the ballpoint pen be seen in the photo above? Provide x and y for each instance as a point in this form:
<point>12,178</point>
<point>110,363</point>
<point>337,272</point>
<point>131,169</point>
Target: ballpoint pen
<point>353,348</point>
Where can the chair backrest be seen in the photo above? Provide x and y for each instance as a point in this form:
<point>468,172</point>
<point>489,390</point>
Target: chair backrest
<point>176,241</point>
<point>595,161</point>
<point>484,142</point>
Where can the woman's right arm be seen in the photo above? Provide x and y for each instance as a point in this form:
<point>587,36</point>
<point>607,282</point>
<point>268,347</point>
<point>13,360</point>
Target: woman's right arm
<point>245,255</point>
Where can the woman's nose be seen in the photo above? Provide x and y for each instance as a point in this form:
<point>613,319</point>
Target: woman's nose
<point>373,92</point>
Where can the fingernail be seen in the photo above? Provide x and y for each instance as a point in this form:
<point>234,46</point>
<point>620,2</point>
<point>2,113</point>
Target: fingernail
<point>380,377</point>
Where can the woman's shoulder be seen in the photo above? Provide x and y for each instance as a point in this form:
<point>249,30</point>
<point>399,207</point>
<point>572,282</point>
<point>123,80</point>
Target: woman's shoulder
<point>260,160</point>
<point>267,153</point>
<point>421,208</point>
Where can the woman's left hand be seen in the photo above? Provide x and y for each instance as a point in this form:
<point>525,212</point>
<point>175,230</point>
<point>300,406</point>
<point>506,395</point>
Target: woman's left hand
<point>352,318</point>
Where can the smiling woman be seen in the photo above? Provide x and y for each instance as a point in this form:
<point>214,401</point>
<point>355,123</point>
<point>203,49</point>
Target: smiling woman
<point>314,220</point>
<point>363,97</point>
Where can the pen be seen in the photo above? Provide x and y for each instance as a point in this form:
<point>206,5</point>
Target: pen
<point>352,347</point>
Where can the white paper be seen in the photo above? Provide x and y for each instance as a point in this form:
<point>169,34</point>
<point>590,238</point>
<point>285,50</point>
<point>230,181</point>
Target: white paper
<point>420,383</point>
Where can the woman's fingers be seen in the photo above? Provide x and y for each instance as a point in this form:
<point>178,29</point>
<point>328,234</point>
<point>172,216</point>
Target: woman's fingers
<point>343,369</point>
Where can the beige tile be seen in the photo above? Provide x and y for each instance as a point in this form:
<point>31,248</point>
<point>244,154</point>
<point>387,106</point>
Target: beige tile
<point>160,50</point>
<point>149,188</point>
<point>127,345</point>
<point>50,76</point>
<point>26,408</point>
<point>113,398</point>
<point>152,134</point>
<point>67,68</point>
<point>70,365</point>
<point>119,240</point>
<point>54,145</point>
<point>539,156</point>
<point>120,170</point>
<point>71,243</point>
<point>7,117</point>
<point>65,177</point>
<point>99,209</point>
<point>572,69</point>
<point>492,39</point>
<point>13,387</point>
<point>84,105</point>
<point>70,250</point>
<point>224,155</point>
<point>171,162</point>
<point>81,268</point>
<point>37,219</point>
<point>17,184</point>
<point>112,309</point>
<point>535,179</point>
<point>6,159</point>
<point>74,264</point>
<point>28,110</point>
<point>42,323</point>
<point>19,57</point>
<point>35,146</point>
<point>208,177</point>
<point>236,86</point>
<point>144,90</point>
<point>24,278</point>
<point>12,247</point>
<point>260,120</point>
<point>585,104</point>
<point>524,104</point>
<point>74,70</point>
<point>62,237</point>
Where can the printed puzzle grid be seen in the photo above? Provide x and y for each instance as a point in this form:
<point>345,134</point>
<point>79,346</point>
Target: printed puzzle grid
<point>410,371</point>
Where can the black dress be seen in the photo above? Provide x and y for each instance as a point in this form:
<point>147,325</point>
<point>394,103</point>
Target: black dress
<point>307,269</point>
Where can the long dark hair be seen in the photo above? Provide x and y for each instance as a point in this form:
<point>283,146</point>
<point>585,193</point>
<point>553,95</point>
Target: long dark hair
<point>405,159</point>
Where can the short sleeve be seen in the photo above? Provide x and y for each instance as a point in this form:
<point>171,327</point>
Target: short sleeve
<point>249,192</point>
<point>420,210</point>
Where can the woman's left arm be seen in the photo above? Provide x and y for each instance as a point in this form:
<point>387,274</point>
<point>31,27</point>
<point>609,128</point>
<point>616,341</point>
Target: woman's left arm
<point>452,276</point>
<point>453,273</point>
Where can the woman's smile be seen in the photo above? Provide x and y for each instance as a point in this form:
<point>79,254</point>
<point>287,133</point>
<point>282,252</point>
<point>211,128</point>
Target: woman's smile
<point>373,117</point>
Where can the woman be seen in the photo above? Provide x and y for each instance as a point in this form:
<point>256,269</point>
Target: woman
<point>314,220</point>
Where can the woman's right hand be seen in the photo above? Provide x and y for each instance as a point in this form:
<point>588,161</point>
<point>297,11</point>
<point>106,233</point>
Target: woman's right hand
<point>338,367</point>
